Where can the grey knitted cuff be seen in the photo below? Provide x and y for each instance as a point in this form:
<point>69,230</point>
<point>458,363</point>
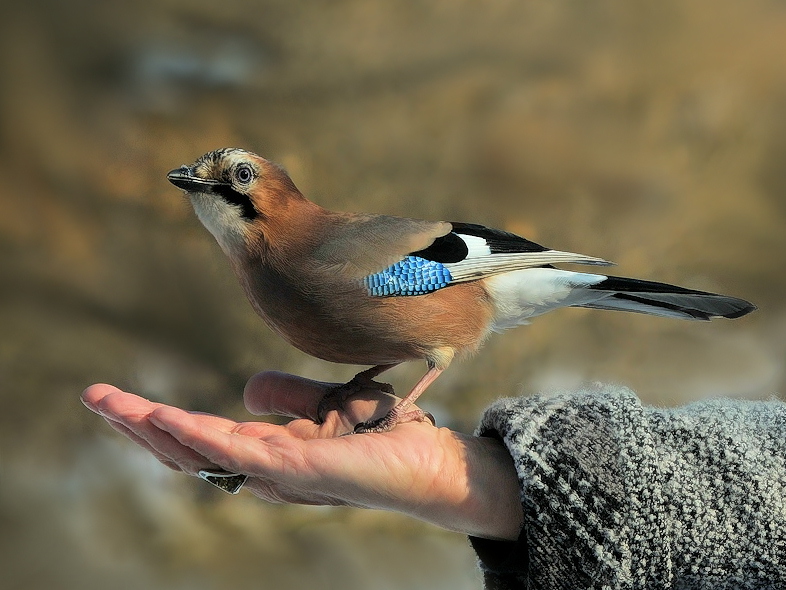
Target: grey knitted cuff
<point>620,496</point>
<point>587,470</point>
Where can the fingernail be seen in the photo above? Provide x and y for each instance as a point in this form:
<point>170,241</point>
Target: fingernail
<point>83,399</point>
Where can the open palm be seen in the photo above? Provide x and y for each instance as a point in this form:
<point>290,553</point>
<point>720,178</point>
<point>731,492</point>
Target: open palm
<point>434,474</point>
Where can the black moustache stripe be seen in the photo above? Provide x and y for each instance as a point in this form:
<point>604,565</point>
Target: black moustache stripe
<point>233,197</point>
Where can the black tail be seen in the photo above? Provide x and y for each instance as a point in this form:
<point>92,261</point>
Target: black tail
<point>666,300</point>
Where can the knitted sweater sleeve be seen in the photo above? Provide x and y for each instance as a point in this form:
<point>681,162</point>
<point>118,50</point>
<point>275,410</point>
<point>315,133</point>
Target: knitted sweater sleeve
<point>617,495</point>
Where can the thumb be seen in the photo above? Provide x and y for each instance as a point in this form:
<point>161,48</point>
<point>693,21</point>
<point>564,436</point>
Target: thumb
<point>282,394</point>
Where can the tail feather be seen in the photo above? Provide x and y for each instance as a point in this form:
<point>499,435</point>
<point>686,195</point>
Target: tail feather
<point>523,294</point>
<point>666,300</point>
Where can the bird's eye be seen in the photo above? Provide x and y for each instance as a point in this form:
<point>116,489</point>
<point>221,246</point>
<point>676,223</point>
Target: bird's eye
<point>243,174</point>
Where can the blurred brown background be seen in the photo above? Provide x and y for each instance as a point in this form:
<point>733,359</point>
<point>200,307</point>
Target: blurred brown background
<point>651,134</point>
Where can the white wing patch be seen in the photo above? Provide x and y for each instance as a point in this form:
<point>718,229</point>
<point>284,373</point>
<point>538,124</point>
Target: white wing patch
<point>476,245</point>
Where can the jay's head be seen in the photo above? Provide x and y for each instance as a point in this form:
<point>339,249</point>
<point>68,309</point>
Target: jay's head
<point>233,192</point>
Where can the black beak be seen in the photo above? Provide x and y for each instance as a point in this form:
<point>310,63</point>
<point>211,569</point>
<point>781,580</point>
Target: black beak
<point>184,178</point>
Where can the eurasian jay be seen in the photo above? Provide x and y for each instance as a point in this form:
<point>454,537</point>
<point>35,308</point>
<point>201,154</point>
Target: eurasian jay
<point>380,290</point>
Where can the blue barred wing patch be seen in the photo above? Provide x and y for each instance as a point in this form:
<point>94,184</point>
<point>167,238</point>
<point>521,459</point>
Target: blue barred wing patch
<point>411,276</point>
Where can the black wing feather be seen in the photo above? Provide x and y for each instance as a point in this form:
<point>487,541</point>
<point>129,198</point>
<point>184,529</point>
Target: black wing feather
<point>499,241</point>
<point>451,248</point>
<point>448,248</point>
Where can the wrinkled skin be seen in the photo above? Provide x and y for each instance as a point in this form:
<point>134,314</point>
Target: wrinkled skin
<point>462,483</point>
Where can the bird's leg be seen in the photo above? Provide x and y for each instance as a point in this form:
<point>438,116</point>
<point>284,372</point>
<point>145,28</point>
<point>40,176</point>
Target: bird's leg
<point>336,396</point>
<point>366,378</point>
<point>401,412</point>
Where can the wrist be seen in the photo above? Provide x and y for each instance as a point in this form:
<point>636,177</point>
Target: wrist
<point>495,497</point>
<point>477,490</point>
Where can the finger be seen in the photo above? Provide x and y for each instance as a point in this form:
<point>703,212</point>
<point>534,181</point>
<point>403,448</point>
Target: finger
<point>234,452</point>
<point>95,393</point>
<point>91,398</point>
<point>272,392</point>
<point>130,434</point>
<point>217,422</point>
<point>120,405</point>
<point>133,412</point>
<point>126,404</point>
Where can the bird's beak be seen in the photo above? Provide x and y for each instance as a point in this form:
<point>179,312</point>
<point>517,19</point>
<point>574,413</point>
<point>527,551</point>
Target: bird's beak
<point>185,179</point>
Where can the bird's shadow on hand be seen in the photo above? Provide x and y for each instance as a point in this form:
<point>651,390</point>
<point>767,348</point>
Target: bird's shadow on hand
<point>363,404</point>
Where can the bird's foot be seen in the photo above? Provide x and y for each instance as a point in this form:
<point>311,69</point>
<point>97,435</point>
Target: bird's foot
<point>391,419</point>
<point>366,379</point>
<point>336,396</point>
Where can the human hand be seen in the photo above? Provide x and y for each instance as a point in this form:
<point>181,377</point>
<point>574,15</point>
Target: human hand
<point>463,483</point>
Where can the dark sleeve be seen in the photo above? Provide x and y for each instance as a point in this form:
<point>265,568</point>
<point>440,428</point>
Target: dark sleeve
<point>616,495</point>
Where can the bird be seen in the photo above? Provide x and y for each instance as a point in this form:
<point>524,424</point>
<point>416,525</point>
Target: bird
<point>381,290</point>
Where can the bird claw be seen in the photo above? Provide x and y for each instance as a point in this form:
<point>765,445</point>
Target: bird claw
<point>336,396</point>
<point>375,426</point>
<point>391,419</point>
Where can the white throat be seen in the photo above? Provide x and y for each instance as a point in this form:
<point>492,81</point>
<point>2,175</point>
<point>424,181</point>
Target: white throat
<point>222,220</point>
